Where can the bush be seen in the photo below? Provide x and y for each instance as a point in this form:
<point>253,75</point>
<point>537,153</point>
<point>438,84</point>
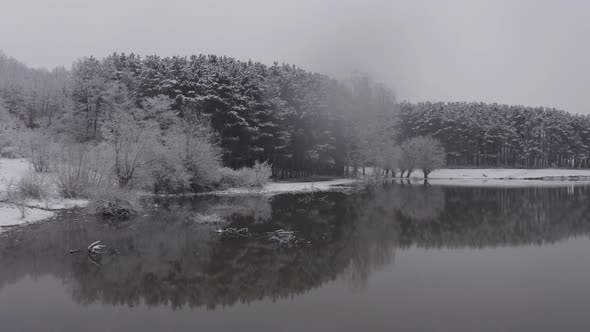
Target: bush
<point>192,141</point>
<point>229,178</point>
<point>113,202</point>
<point>41,151</point>
<point>246,177</point>
<point>33,186</point>
<point>15,198</point>
<point>79,168</point>
<point>169,177</point>
<point>258,175</point>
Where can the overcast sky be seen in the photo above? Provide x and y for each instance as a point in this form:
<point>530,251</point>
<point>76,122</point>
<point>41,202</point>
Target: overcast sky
<point>514,51</point>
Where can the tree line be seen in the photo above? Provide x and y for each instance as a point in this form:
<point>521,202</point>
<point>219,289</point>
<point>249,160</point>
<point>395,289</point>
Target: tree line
<point>479,134</point>
<point>301,123</point>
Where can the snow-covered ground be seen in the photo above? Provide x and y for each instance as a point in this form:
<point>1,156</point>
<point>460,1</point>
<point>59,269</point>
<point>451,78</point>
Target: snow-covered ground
<point>15,169</point>
<point>506,173</point>
<point>498,183</point>
<point>500,173</point>
<point>10,216</point>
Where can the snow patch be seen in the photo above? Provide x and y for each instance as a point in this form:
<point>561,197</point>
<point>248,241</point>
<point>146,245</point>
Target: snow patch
<point>11,216</point>
<point>12,169</point>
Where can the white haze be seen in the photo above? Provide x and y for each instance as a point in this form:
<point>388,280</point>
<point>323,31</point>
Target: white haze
<point>516,52</point>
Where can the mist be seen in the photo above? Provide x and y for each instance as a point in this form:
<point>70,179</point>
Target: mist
<point>525,52</point>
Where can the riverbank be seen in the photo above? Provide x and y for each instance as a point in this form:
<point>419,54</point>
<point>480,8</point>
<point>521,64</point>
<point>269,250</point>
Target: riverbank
<point>37,210</point>
<point>509,174</point>
<point>498,174</point>
<point>289,187</point>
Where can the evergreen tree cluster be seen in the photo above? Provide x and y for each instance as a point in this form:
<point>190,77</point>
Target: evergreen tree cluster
<point>479,134</point>
<point>296,120</point>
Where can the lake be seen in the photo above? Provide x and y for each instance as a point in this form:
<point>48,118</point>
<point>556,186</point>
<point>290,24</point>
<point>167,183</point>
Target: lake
<point>399,257</point>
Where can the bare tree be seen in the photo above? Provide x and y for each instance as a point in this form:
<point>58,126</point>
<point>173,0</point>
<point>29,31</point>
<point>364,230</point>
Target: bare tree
<point>129,135</point>
<point>424,152</point>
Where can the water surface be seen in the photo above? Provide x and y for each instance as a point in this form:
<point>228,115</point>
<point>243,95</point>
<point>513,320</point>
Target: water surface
<point>400,257</point>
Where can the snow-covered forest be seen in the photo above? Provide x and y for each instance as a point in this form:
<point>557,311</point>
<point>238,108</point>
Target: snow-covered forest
<point>479,134</point>
<point>300,122</point>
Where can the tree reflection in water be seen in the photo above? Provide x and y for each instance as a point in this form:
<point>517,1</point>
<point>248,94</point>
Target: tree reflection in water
<point>166,258</point>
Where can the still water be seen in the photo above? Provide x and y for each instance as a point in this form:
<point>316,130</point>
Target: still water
<point>400,257</point>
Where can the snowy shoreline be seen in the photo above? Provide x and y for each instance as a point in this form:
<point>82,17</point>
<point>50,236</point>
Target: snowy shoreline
<point>36,210</point>
<point>288,187</point>
<point>14,169</point>
<point>509,174</point>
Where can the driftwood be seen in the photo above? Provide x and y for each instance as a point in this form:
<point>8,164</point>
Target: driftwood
<point>96,248</point>
<point>283,238</point>
<point>233,232</point>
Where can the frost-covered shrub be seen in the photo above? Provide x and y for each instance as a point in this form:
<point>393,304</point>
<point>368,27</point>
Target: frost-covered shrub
<point>33,186</point>
<point>80,168</point>
<point>229,178</point>
<point>169,177</point>
<point>113,202</point>
<point>246,177</point>
<point>15,198</point>
<point>257,175</point>
<point>191,142</point>
<point>41,151</point>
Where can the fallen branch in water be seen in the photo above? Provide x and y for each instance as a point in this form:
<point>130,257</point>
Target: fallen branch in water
<point>233,232</point>
<point>283,237</point>
<point>96,248</point>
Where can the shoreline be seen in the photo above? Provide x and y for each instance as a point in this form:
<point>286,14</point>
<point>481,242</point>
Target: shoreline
<point>37,210</point>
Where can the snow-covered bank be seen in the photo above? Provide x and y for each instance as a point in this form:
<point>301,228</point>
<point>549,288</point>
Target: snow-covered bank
<point>500,173</point>
<point>504,177</point>
<point>290,187</point>
<point>497,183</point>
<point>506,173</point>
<point>36,210</point>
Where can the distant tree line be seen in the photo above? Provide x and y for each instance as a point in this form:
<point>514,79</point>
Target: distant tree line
<point>479,134</point>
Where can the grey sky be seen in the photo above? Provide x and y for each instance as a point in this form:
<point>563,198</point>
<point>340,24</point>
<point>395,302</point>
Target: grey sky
<point>515,51</point>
